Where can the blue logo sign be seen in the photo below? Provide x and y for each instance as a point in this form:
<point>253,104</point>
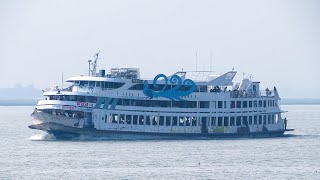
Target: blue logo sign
<point>173,93</point>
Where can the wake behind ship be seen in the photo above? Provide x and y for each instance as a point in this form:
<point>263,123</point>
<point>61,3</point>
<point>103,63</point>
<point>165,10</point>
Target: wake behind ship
<point>187,105</point>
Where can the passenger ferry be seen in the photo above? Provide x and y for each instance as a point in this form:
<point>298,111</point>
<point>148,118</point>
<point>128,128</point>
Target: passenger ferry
<point>184,105</point>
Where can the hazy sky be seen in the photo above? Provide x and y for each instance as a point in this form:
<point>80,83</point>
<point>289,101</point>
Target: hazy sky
<point>278,41</point>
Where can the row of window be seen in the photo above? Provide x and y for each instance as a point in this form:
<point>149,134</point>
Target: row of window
<point>101,84</point>
<point>175,104</point>
<point>159,87</point>
<point>246,104</point>
<point>157,103</point>
<point>190,121</point>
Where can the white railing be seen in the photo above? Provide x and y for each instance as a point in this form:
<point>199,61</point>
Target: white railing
<point>244,94</point>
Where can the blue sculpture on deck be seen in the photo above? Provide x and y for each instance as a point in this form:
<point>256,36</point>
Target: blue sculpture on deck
<point>174,92</point>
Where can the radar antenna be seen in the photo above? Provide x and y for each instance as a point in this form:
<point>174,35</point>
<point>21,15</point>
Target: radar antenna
<point>94,64</point>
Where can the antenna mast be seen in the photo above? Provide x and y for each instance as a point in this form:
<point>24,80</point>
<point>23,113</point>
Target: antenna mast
<point>94,64</point>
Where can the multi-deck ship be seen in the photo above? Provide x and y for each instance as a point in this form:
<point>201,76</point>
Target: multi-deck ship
<point>191,105</point>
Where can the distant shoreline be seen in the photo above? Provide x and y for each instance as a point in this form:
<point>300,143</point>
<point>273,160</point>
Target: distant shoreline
<point>33,102</point>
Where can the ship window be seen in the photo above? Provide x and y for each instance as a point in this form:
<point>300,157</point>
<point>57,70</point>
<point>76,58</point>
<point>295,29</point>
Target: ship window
<point>224,104</point>
<point>260,119</point>
<point>264,119</point>
<point>238,121</point>
<point>250,120</point>
<point>92,83</point>
<point>250,103</point>
<point>219,104</point>
<point>226,121</point>
<point>238,104</point>
<point>232,121</point>
<point>135,119</point>
<point>245,120</point>
<point>106,119</point>
<point>244,104</point>
<point>219,121</point>
<point>188,122</point>
<point>168,121</point>
<point>137,87</point>
<point>272,118</point>
<point>202,88</point>
<point>154,120</point>
<point>161,121</point>
<point>114,118</point>
<point>148,122</point>
<point>213,121</point>
<point>264,103</point>
<point>174,121</point>
<point>213,104</point>
<point>204,104</point>
<point>232,104</point>
<point>194,121</point>
<point>269,119</point>
<point>121,119</point>
<point>128,119</point>
<point>255,104</point>
<point>102,118</point>
<point>141,120</point>
<point>255,118</point>
<point>98,84</point>
<point>181,121</point>
<point>83,83</point>
<point>260,103</point>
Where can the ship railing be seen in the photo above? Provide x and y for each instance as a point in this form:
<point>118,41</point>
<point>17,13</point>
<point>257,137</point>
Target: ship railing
<point>59,88</point>
<point>244,94</point>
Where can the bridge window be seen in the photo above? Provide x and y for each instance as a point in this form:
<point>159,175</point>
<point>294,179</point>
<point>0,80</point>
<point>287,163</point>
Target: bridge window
<point>250,104</point>
<point>92,83</point>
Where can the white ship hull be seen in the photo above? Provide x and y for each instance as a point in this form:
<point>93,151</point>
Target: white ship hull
<point>66,132</point>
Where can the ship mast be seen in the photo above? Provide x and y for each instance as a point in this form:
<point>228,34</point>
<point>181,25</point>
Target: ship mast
<point>94,64</point>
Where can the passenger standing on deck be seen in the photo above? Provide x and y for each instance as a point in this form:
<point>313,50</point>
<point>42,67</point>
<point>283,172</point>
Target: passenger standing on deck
<point>285,123</point>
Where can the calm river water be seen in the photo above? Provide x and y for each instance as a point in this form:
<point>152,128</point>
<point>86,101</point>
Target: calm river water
<point>31,154</point>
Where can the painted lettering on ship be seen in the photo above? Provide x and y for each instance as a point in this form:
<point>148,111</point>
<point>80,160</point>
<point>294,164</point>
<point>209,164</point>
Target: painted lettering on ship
<point>85,104</point>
